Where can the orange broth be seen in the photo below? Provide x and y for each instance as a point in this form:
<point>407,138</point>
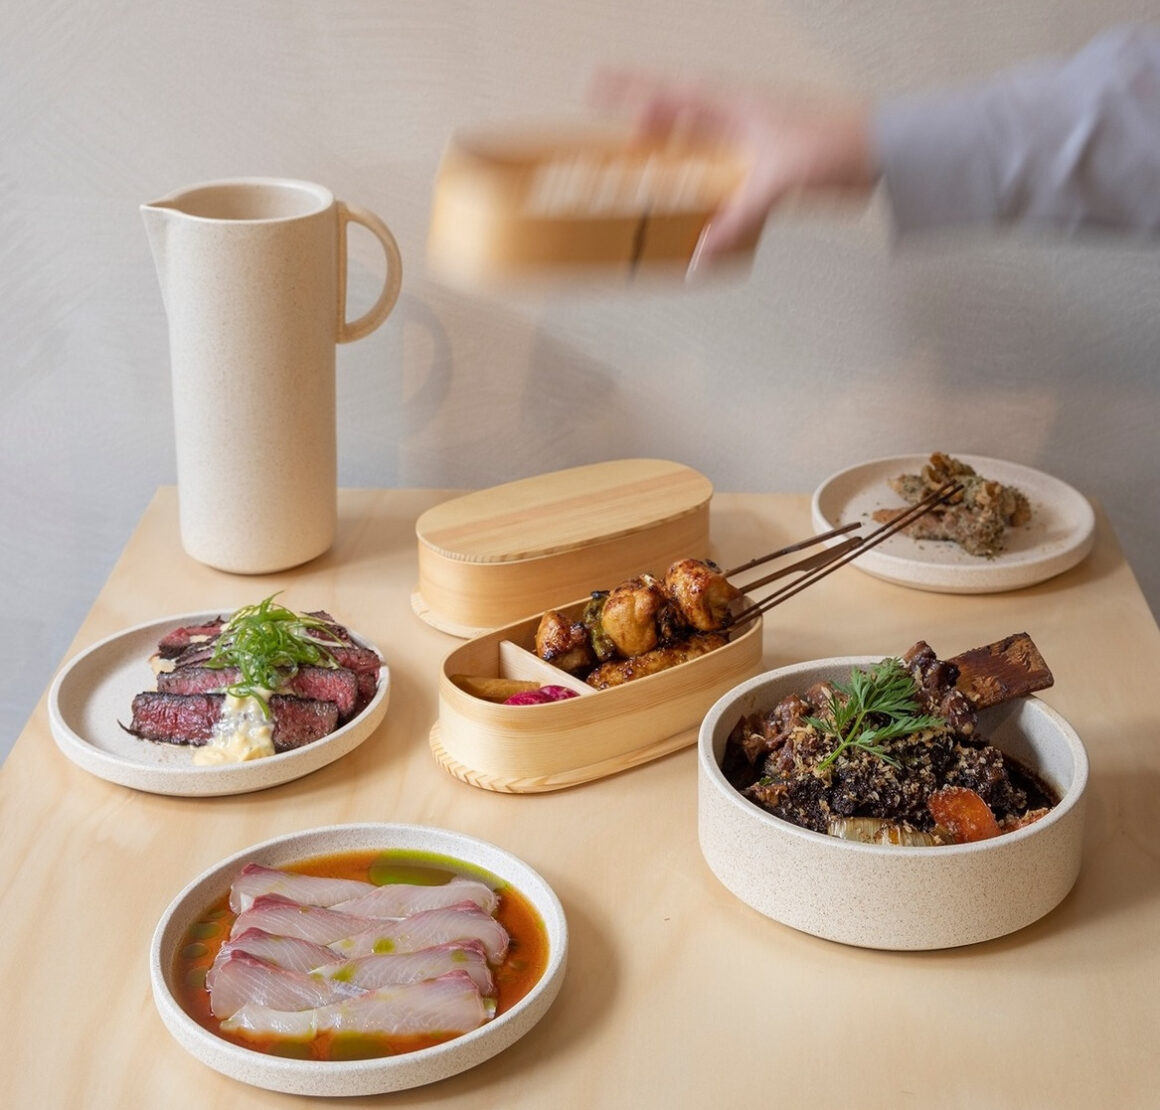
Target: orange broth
<point>526,960</point>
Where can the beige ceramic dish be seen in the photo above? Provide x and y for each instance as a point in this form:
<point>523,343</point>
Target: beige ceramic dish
<point>532,748</point>
<point>496,555</point>
<point>884,896</point>
<point>1059,536</point>
<point>542,202</point>
<point>95,691</point>
<point>356,1077</point>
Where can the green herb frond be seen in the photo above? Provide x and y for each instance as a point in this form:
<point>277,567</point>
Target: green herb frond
<point>875,707</point>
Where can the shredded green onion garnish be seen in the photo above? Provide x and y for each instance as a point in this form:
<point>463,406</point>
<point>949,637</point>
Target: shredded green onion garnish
<point>268,643</point>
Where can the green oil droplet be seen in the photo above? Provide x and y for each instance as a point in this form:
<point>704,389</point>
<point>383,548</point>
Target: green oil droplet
<point>352,1047</point>
<point>195,978</point>
<point>294,1050</point>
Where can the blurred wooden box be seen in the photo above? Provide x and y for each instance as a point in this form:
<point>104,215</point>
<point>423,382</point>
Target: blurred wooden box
<point>496,555</point>
<point>573,201</point>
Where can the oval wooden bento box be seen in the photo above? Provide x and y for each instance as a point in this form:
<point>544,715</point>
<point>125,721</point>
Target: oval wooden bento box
<point>496,555</point>
<point>534,748</point>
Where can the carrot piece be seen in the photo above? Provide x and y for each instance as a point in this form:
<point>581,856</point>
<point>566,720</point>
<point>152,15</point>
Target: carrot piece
<point>963,814</point>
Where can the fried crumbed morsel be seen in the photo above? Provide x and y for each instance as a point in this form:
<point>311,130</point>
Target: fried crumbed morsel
<point>977,519</point>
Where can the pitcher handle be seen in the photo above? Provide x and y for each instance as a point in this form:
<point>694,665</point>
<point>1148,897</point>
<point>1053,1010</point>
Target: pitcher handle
<point>380,310</point>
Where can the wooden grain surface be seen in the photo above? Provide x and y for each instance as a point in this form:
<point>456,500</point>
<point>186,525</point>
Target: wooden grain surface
<point>496,555</point>
<point>676,994</point>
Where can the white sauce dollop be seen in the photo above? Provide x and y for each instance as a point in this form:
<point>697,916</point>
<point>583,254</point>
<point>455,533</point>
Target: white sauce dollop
<point>243,732</point>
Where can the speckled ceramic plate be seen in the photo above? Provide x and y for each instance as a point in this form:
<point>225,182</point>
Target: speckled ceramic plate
<point>1059,535</point>
<point>357,1077</point>
<point>94,692</point>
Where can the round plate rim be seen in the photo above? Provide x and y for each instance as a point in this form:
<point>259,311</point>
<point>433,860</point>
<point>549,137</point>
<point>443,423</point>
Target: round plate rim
<point>188,780</point>
<point>984,575</point>
<point>383,1074</point>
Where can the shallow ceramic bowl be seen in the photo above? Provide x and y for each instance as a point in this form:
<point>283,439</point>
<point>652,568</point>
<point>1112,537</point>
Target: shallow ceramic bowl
<point>356,1077</point>
<point>95,690</point>
<point>882,896</point>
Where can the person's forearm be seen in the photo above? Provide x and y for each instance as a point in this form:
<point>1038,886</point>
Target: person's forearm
<point>1070,144</point>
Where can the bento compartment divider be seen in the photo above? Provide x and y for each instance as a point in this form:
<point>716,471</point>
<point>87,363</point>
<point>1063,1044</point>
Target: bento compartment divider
<point>519,663</point>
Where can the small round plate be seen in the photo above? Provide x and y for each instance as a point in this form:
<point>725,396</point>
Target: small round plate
<point>357,1077</point>
<point>94,692</point>
<point>1060,534</point>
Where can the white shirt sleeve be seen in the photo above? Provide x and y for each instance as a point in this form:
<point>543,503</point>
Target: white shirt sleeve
<point>1067,144</point>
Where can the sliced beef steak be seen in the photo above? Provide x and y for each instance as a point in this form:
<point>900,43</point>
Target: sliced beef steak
<point>172,644</point>
<point>194,646</point>
<point>339,685</point>
<point>365,664</point>
<point>176,718</point>
<point>189,718</point>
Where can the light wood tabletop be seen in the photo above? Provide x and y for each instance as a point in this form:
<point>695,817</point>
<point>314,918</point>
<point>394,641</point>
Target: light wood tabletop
<point>676,994</point>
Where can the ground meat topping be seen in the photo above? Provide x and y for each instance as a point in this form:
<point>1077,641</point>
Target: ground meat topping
<point>783,762</point>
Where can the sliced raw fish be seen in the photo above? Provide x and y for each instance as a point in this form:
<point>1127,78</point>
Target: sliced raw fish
<point>242,979</point>
<point>465,921</point>
<point>404,899</point>
<point>372,972</point>
<point>450,1004</point>
<point>291,953</point>
<point>281,916</point>
<point>255,880</point>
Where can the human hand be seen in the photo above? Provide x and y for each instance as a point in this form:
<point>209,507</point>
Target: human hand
<point>794,146</point>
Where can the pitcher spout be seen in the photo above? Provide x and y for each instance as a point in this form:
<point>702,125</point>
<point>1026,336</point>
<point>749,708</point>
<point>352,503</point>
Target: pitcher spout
<point>158,215</point>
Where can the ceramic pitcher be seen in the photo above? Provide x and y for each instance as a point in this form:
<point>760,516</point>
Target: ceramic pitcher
<point>253,276</point>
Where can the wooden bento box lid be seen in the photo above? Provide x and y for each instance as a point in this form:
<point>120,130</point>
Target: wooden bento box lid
<point>500,554</point>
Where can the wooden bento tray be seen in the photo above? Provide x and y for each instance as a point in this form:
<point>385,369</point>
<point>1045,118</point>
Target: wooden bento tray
<point>535,748</point>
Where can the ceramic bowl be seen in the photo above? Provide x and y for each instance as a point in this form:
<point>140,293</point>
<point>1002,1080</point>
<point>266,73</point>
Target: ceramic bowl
<point>884,896</point>
<point>356,1077</point>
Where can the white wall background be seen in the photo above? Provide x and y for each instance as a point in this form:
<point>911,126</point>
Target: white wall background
<point>843,345</point>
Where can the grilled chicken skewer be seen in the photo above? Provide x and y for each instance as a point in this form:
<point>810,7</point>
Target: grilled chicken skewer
<point>647,624</point>
<point>681,615</point>
<point>702,592</point>
<point>616,672</point>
